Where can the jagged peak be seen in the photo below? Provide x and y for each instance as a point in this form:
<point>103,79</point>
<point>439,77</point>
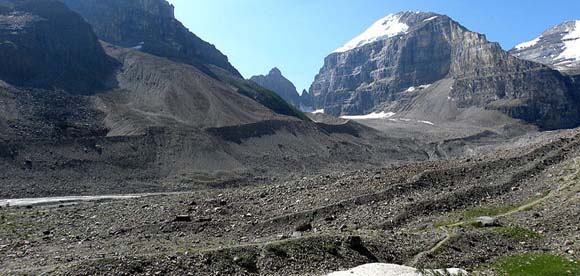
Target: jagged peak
<point>275,72</point>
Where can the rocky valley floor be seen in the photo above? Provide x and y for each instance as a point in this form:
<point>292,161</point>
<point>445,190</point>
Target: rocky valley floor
<point>469,213</point>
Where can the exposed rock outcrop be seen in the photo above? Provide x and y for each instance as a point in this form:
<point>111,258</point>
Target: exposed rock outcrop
<point>45,45</point>
<point>149,25</point>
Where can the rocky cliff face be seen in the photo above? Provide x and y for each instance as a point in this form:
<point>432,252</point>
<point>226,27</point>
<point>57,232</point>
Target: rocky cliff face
<point>558,47</point>
<point>149,25</point>
<point>411,50</point>
<point>276,82</point>
<point>45,45</point>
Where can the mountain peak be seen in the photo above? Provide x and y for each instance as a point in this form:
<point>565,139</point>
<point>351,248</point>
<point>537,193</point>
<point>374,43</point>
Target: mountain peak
<point>279,84</point>
<point>390,26</point>
<point>275,72</point>
<point>558,47</point>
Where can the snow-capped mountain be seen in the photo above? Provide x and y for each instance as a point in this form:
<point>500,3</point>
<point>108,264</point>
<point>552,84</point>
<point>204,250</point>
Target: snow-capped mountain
<point>557,47</point>
<point>390,26</point>
<point>432,68</point>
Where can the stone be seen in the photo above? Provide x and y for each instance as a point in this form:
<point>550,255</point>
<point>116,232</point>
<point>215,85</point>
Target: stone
<point>182,218</point>
<point>296,235</point>
<point>304,227</point>
<point>204,219</point>
<point>487,222</point>
<point>282,237</point>
<point>330,218</point>
<point>354,241</point>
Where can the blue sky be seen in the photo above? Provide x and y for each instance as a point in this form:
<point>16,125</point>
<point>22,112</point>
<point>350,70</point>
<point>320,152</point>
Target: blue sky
<point>296,35</point>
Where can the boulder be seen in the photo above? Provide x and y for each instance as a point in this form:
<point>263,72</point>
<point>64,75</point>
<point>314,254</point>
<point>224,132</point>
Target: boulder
<point>182,218</point>
<point>487,222</point>
<point>304,227</point>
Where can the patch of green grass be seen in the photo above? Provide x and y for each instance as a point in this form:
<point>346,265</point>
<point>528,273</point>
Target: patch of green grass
<point>536,264</point>
<point>486,211</point>
<point>248,261</point>
<point>135,267</point>
<point>105,261</point>
<point>269,99</point>
<point>331,248</point>
<point>446,222</point>
<point>529,208</point>
<point>4,93</point>
<point>536,198</point>
<point>500,210</point>
<point>516,233</point>
<point>276,250</point>
<point>15,225</point>
<point>502,104</point>
<point>186,180</point>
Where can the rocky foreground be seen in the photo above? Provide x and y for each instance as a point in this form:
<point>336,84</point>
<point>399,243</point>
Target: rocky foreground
<point>467,213</point>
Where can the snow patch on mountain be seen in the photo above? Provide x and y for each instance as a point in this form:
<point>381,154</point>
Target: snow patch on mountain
<point>139,46</point>
<point>558,47</point>
<point>430,18</point>
<point>571,43</point>
<point>420,87</point>
<point>385,28</point>
<point>380,115</point>
<point>528,44</point>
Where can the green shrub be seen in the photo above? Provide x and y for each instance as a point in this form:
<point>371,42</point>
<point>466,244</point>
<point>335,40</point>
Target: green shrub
<point>248,261</point>
<point>331,248</point>
<point>277,251</point>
